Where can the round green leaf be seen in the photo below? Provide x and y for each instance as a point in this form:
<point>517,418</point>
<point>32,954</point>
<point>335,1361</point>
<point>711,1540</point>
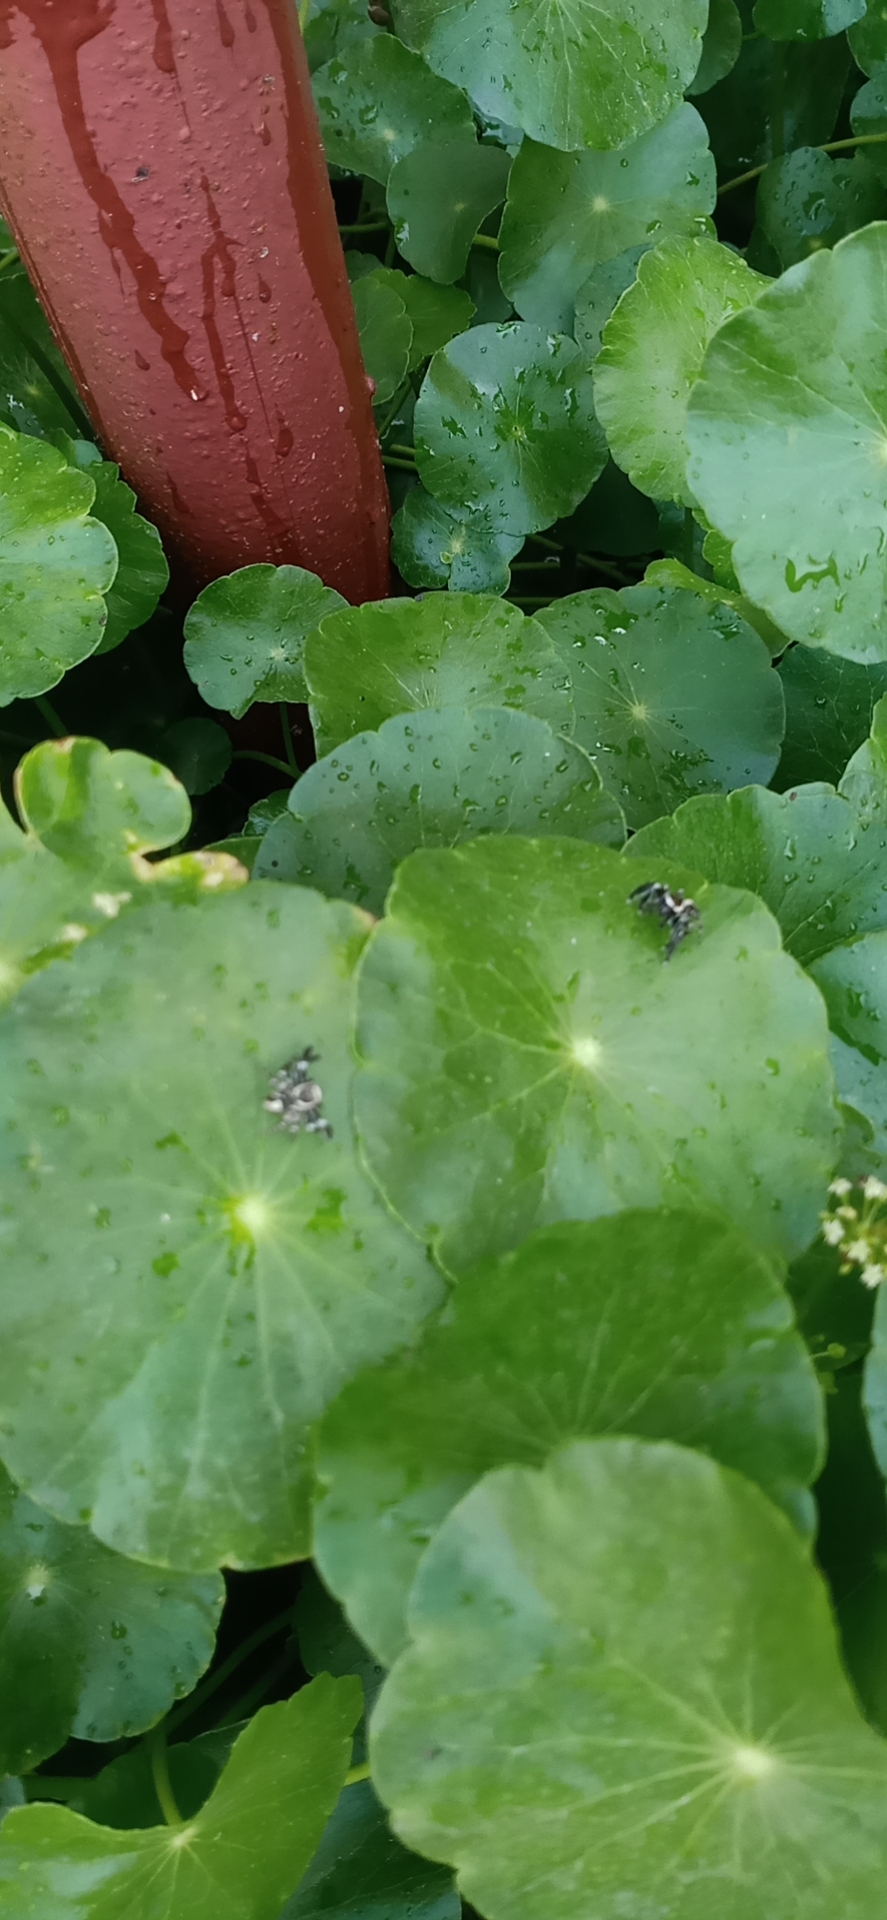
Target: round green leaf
<point>592,78</point>
<point>819,870</point>
<point>663,1324</point>
<point>361,1872</point>
<point>381,101</point>
<point>236,1859</point>
<point>568,214</point>
<point>90,1644</point>
<point>432,547</point>
<point>432,780</point>
<point>868,115</point>
<point>97,809</point>
<point>721,46</point>
<point>186,1286</point>
<point>789,449</point>
<point>142,571</point>
<point>806,201</point>
<point>368,663</point>
<point>652,352</point>
<point>55,565</point>
<point>527,1057</point>
<point>672,696</point>
<point>245,635</point>
<point>628,1664</point>
<point>438,195</point>
<point>806,19</point>
<point>868,37</point>
<point>505,422</point>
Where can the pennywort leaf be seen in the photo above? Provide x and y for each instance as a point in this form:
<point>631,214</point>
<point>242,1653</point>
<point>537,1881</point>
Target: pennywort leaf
<point>592,79</point>
<point>506,1081</point>
<point>505,423</point>
<point>632,1323</point>
<point>796,383</point>
<point>635,1639</point>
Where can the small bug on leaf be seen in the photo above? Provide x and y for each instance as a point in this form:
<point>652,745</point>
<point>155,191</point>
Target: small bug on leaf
<point>297,1098</point>
<point>673,908</point>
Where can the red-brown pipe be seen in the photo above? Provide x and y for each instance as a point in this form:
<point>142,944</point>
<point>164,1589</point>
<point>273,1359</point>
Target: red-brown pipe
<point>162,172</point>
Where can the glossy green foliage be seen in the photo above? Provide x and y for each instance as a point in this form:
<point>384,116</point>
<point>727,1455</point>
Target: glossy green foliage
<point>568,214</point>
<point>634,1323</point>
<point>90,1643</point>
<point>433,779</point>
<point>369,663</point>
<point>56,564</point>
<point>443,1045</point>
<point>570,79</point>
<point>652,354</point>
<point>142,569</point>
<point>796,383</point>
<point>527,1056</point>
<point>671,696</point>
<point>250,1268</point>
<point>505,422</point>
<point>819,867</point>
<point>245,635</point>
<point>380,103</point>
<point>694,1735</point>
<point>234,1860</point>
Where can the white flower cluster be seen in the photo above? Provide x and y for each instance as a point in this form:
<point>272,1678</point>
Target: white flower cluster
<point>859,1228</point>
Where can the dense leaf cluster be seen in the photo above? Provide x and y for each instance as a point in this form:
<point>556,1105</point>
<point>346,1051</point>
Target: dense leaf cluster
<point>536,1407</point>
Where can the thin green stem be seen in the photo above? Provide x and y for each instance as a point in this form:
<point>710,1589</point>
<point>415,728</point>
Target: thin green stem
<point>403,466</point>
<point>390,249</point>
<point>366,226</point>
<point>157,1748</point>
<point>304,14</point>
<point>8,258</point>
<point>288,747</point>
<point>48,711</point>
<point>406,453</point>
<point>828,146</point>
<point>398,400</point>
<point>267,759</point>
<point>357,1773</point>
<point>216,1680</point>
<point>486,240</point>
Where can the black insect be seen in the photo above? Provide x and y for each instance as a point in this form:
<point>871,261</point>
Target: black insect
<point>673,908</point>
<point>296,1096</point>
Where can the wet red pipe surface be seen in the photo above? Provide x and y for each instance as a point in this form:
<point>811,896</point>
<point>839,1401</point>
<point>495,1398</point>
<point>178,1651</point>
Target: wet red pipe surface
<point>163,175</point>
